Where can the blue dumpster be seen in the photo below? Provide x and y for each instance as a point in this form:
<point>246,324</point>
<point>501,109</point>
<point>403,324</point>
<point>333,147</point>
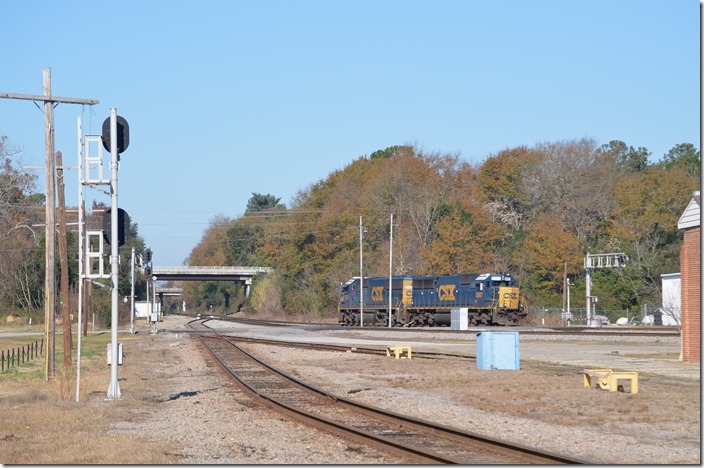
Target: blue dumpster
<point>498,351</point>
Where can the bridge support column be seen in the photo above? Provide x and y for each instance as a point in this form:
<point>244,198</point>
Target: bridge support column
<point>247,287</point>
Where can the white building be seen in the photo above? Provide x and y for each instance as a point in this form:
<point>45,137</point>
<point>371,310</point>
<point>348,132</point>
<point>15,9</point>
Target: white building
<point>143,308</point>
<point>671,299</point>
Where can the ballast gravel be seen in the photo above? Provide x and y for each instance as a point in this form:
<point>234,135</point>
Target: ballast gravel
<point>174,397</point>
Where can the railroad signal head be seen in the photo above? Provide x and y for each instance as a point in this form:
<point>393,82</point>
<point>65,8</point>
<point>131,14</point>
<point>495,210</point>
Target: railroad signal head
<point>148,256</point>
<point>123,226</point>
<point>123,134</point>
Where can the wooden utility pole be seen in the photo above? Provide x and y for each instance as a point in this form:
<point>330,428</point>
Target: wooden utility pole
<point>63,258</point>
<point>50,252</point>
<point>50,230</point>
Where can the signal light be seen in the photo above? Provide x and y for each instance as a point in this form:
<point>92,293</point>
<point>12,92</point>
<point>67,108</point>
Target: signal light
<point>123,134</point>
<point>123,226</point>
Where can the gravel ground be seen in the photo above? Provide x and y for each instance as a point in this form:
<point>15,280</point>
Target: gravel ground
<point>175,398</point>
<point>185,406</point>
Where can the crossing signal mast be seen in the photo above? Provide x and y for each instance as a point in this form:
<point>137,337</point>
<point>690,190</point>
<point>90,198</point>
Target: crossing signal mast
<point>599,261</point>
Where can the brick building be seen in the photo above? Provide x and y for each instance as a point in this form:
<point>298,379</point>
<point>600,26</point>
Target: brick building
<point>690,266</point>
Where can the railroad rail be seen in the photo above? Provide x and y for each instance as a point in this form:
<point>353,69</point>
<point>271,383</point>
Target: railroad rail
<point>346,349</point>
<point>416,439</point>
<point>538,330</point>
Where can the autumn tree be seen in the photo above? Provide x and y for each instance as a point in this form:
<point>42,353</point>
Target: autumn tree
<point>501,178</point>
<point>686,156</point>
<point>644,224</point>
<point>573,181</point>
<point>467,241</point>
<point>21,247</point>
<point>211,251</point>
<point>418,188</point>
<point>543,255</point>
<point>524,210</point>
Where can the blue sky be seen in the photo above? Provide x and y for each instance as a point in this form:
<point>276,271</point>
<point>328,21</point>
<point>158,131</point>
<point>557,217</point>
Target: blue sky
<point>227,98</point>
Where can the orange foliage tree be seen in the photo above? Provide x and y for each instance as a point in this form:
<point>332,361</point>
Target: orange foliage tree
<point>543,255</point>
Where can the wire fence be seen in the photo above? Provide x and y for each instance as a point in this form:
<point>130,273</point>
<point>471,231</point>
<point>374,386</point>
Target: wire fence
<point>17,356</point>
<point>579,315</point>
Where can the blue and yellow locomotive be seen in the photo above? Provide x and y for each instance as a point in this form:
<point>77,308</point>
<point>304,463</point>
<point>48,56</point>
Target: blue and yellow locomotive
<point>492,299</point>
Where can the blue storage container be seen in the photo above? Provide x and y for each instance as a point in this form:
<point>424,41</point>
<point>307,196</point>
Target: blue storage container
<point>498,351</point>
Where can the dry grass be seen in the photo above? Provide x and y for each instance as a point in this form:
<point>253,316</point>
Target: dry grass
<point>48,426</point>
<point>548,393</point>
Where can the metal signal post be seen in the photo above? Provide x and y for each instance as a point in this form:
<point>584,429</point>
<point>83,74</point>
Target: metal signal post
<point>598,261</point>
<point>114,388</point>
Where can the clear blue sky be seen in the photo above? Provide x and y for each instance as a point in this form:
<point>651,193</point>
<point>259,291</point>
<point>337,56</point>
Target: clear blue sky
<point>226,98</point>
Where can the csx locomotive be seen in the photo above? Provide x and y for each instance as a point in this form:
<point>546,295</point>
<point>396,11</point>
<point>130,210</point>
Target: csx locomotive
<point>491,299</point>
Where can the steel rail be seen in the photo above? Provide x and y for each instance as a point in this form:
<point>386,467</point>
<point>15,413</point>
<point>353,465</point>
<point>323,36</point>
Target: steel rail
<point>345,349</point>
<point>419,439</point>
<point>541,330</point>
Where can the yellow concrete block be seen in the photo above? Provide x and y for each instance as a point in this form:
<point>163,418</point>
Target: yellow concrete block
<point>615,377</point>
<point>607,379</point>
<point>400,351</point>
<point>592,377</point>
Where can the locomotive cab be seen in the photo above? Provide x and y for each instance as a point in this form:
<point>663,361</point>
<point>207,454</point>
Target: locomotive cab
<point>505,298</point>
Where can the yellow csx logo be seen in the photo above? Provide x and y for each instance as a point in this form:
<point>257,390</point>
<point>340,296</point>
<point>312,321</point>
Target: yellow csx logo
<point>446,292</point>
<point>510,295</point>
<point>378,294</point>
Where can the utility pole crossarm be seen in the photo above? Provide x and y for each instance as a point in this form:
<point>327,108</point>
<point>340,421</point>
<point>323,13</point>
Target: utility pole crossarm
<point>50,224</point>
<point>37,97</point>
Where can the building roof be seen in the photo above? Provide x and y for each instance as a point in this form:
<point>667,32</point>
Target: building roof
<point>691,216</point>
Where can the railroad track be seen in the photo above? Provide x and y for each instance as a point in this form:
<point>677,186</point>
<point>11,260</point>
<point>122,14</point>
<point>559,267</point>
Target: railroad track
<point>415,439</point>
<point>346,349</point>
<point>541,330</point>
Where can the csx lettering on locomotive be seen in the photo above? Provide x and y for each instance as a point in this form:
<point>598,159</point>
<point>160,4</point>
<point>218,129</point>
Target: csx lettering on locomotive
<point>378,294</point>
<point>446,292</point>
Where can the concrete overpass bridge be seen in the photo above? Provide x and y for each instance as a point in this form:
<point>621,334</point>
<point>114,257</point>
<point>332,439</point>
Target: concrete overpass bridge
<point>169,292</point>
<point>242,274</point>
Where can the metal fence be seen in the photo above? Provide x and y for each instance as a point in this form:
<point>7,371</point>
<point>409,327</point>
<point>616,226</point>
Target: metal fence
<point>579,315</point>
<point>17,356</point>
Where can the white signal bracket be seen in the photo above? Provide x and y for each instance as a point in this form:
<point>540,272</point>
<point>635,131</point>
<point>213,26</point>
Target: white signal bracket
<point>95,259</point>
<point>595,262</point>
<point>608,260</point>
<point>94,161</point>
